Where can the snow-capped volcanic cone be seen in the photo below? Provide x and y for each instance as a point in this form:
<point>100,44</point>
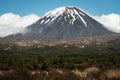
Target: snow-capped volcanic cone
<point>64,23</point>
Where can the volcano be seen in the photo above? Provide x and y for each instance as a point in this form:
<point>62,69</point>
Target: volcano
<point>63,23</point>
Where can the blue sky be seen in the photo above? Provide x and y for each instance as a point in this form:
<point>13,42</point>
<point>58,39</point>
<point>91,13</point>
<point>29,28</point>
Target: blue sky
<point>39,7</point>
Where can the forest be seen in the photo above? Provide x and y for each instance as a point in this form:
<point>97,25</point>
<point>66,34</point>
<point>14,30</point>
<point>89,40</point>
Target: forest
<point>48,58</point>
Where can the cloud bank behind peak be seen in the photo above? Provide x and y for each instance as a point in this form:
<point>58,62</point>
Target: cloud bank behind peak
<point>12,23</point>
<point>110,21</point>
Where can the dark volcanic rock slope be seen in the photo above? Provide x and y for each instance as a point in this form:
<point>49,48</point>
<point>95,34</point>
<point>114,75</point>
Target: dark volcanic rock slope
<point>62,24</point>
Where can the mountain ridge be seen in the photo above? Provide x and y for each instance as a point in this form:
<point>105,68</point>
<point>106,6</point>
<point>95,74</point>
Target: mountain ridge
<point>64,23</point>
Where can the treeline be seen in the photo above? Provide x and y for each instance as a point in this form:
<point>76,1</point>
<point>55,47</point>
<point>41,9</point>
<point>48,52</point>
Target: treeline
<point>59,57</point>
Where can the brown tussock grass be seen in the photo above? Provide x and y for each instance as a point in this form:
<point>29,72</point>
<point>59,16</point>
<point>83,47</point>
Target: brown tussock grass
<point>112,74</point>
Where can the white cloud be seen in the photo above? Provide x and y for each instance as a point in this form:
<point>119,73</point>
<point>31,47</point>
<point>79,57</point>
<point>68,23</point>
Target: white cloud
<point>12,23</point>
<point>111,21</point>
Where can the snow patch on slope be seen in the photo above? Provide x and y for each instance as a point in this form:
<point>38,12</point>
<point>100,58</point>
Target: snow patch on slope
<point>55,13</point>
<point>83,20</point>
<point>67,13</point>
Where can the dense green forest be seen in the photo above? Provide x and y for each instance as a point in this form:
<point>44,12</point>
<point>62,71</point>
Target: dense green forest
<point>57,57</point>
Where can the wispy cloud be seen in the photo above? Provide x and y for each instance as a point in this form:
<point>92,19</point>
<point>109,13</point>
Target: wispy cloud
<point>111,21</point>
<point>12,23</point>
